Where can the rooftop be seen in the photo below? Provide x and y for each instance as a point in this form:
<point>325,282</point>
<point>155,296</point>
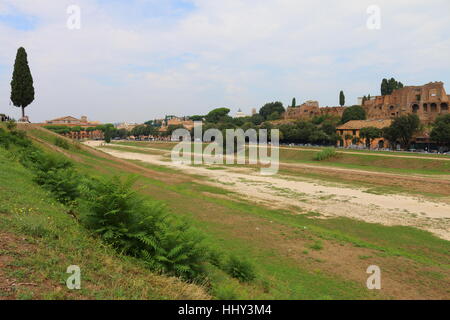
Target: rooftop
<point>359,124</point>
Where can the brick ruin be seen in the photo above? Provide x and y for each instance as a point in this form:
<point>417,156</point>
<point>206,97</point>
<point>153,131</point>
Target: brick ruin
<point>310,109</point>
<point>427,101</point>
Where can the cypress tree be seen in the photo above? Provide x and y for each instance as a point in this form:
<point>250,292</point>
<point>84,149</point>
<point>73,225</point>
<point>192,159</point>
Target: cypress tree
<point>384,87</point>
<point>22,90</point>
<point>392,85</point>
<point>294,103</point>
<point>342,98</point>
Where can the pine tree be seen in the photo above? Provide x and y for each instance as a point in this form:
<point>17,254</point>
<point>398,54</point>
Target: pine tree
<point>294,103</point>
<point>384,87</point>
<point>22,90</point>
<point>342,98</point>
<point>392,85</point>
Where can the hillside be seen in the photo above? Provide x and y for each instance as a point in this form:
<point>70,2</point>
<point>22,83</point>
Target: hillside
<point>39,240</point>
<point>291,251</point>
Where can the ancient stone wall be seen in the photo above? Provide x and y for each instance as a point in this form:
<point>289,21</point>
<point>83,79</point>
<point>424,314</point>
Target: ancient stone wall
<point>310,109</point>
<point>427,101</point>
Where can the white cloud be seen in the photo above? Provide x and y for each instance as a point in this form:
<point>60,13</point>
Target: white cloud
<point>235,53</point>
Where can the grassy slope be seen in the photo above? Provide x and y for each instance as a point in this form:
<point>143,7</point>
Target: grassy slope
<point>39,240</point>
<point>296,255</point>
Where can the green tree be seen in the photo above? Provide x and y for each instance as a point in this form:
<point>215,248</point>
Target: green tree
<point>218,115</point>
<point>22,90</point>
<point>341,98</point>
<point>441,130</point>
<point>370,133</point>
<point>269,108</point>
<point>364,99</point>
<point>122,133</point>
<point>197,118</point>
<point>353,113</point>
<point>108,135</point>
<point>257,119</point>
<point>402,129</point>
<point>384,87</point>
<point>388,86</point>
<point>274,116</point>
<point>294,103</point>
<point>390,134</point>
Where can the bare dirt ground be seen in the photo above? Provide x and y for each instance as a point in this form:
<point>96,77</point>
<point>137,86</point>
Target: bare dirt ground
<point>329,200</point>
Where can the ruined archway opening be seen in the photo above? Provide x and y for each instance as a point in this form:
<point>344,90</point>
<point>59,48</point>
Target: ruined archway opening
<point>433,107</point>
<point>415,108</point>
<point>444,107</point>
<point>425,107</point>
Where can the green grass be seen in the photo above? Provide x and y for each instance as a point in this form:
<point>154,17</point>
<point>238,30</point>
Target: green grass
<point>55,241</point>
<point>280,276</point>
<point>325,154</point>
<point>394,241</point>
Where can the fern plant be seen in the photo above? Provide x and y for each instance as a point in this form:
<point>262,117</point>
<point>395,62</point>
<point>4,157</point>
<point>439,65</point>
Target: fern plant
<point>143,229</point>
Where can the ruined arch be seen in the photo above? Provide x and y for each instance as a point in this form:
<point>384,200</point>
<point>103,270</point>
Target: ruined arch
<point>433,107</point>
<point>415,108</point>
<point>444,107</point>
<point>381,144</point>
<point>425,107</point>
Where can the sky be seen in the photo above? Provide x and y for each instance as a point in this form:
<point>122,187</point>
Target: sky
<point>136,60</point>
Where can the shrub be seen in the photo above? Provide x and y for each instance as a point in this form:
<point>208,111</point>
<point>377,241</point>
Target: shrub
<point>317,245</point>
<point>225,292</point>
<point>5,141</point>
<point>53,173</point>
<point>63,183</point>
<point>11,125</point>
<point>216,258</point>
<point>325,154</point>
<point>116,213</point>
<point>62,143</point>
<point>240,269</point>
<point>143,229</point>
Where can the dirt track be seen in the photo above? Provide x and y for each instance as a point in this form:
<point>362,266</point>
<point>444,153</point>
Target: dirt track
<point>315,195</point>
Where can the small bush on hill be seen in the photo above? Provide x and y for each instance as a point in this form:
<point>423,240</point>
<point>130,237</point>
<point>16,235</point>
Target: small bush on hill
<point>216,258</point>
<point>142,229</point>
<point>225,292</point>
<point>54,174</point>
<point>11,125</point>
<point>62,143</point>
<point>240,269</point>
<point>325,154</point>
<point>14,137</point>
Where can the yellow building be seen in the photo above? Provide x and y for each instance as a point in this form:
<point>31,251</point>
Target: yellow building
<point>350,133</point>
<point>72,121</point>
